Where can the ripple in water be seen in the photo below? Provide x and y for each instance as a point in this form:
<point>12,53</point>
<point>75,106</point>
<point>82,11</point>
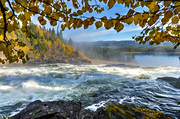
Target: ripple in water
<point>93,85</point>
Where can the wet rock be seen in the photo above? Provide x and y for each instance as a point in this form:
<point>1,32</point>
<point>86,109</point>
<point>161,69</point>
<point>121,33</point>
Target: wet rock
<point>72,110</point>
<point>143,76</point>
<point>99,114</point>
<point>173,81</point>
<point>124,111</point>
<point>50,110</point>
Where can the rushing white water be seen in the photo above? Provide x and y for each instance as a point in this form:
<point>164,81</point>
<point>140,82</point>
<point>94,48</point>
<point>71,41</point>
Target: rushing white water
<point>94,85</point>
<point>35,85</point>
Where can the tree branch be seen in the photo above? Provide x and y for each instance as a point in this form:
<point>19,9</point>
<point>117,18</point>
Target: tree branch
<point>3,10</point>
<point>176,45</point>
<point>9,3</point>
<point>35,11</point>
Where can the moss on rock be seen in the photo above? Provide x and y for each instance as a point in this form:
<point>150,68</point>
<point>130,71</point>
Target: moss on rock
<point>124,111</point>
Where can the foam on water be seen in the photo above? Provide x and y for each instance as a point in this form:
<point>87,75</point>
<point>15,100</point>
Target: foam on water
<point>94,107</point>
<point>154,72</point>
<point>35,85</point>
<point>5,87</point>
<point>134,72</point>
<point>91,84</point>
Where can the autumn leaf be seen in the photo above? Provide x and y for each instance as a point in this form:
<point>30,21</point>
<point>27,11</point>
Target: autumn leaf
<point>111,3</point>
<point>175,20</point>
<point>118,26</point>
<point>98,24</point>
<point>152,15</point>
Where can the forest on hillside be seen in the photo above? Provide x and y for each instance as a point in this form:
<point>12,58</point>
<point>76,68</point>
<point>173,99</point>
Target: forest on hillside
<point>42,44</point>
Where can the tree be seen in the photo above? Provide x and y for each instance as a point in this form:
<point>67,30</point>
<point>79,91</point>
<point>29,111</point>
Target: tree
<point>159,19</point>
<point>71,42</point>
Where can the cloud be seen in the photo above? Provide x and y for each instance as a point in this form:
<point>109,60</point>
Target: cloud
<point>104,32</point>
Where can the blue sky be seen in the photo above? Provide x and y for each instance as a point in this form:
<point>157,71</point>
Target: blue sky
<point>93,34</point>
<point>101,34</point>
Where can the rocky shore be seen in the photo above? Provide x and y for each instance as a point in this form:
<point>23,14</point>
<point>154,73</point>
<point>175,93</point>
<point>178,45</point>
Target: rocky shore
<point>59,60</point>
<point>73,110</point>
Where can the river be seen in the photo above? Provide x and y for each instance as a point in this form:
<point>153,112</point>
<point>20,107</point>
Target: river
<point>93,85</point>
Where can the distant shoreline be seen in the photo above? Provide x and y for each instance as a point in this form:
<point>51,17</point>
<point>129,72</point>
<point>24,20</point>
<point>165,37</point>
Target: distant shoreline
<point>93,61</point>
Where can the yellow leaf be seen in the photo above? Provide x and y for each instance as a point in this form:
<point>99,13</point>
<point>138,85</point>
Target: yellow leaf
<point>111,3</point>
<point>137,18</point>
<point>130,12</point>
<point>63,26</point>
<point>48,1</point>
<point>128,20</point>
<point>175,20</point>
<point>35,9</point>
<point>168,28</point>
<point>98,24</point>
<point>40,18</point>
<point>53,22</point>
<point>153,6</point>
<point>118,26</point>
<point>167,3</point>
<point>47,10</point>
<point>79,23</point>
<point>145,15</point>
<point>79,12</point>
<point>86,24</point>
<point>105,1</point>
<point>55,16</point>
<point>153,20</point>
<point>104,18</point>
<point>168,14</point>
<point>22,17</point>
<point>57,6</point>
<point>42,21</point>
<point>108,24</point>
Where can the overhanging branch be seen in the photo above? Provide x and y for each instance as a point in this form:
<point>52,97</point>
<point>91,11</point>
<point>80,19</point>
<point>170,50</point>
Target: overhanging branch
<point>3,10</point>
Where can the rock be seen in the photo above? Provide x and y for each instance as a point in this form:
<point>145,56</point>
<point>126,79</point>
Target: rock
<point>173,81</point>
<point>77,60</point>
<point>98,114</point>
<point>124,111</point>
<point>72,110</point>
<point>50,110</point>
<point>143,76</point>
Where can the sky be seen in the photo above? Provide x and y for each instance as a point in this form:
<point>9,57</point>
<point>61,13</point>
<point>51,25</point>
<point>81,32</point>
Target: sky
<point>92,34</point>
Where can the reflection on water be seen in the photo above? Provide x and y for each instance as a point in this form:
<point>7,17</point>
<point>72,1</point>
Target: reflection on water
<point>93,85</point>
<point>156,60</point>
<point>148,60</point>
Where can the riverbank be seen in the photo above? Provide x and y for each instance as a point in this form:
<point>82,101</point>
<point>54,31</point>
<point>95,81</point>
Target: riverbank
<point>77,61</point>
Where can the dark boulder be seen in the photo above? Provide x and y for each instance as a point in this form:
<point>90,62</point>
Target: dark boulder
<point>72,110</point>
<point>173,81</point>
<point>50,110</point>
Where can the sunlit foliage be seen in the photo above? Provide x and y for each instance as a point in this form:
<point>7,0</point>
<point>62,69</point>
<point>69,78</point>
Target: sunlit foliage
<point>159,19</point>
<point>43,44</point>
